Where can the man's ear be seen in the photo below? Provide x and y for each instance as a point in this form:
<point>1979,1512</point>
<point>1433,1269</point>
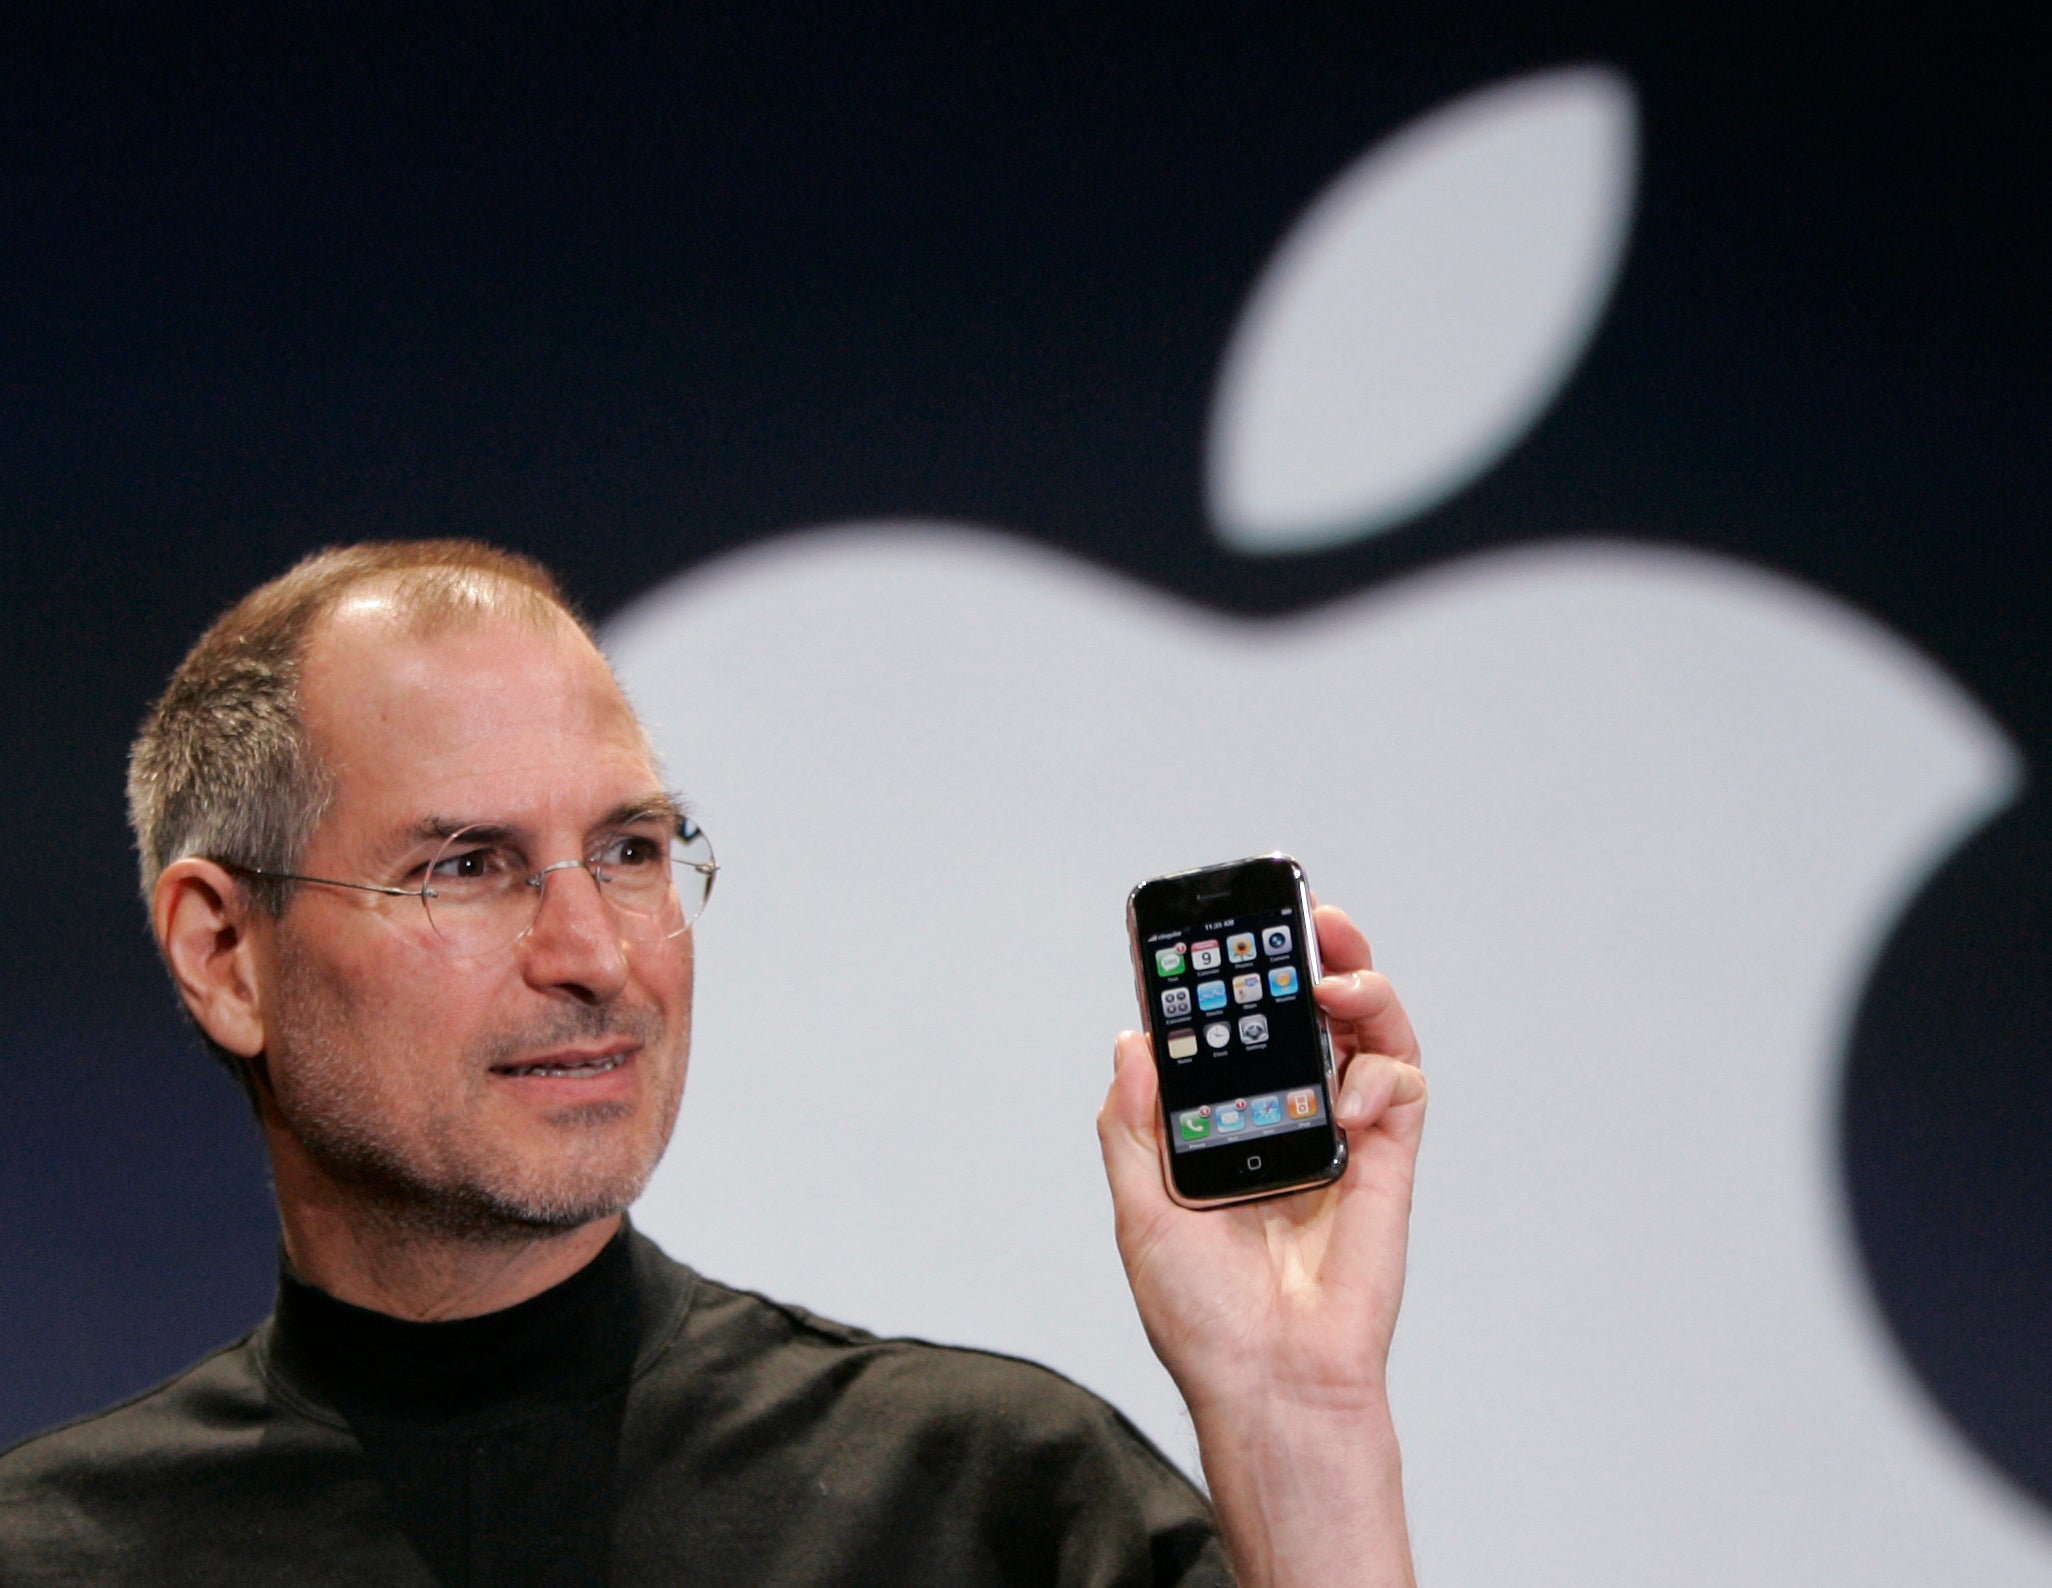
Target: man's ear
<point>202,919</point>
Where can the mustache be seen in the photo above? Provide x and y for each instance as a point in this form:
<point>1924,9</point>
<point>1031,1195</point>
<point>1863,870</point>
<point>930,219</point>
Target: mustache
<point>570,1025</point>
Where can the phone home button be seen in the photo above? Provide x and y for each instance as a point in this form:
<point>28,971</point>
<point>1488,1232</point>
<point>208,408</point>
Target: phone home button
<point>1253,1162</point>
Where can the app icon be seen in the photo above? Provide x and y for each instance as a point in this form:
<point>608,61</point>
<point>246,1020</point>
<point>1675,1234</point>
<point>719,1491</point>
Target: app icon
<point>1193,1126</point>
<point>1175,1002</point>
<point>1182,1043</point>
<point>1247,988</point>
<point>1204,955</point>
<point>1240,947</point>
<point>1218,1033</point>
<point>1276,939</point>
<point>1253,1030</point>
<point>1302,1104</point>
<point>1266,1110</point>
<point>1282,981</point>
<point>1231,1117</point>
<point>1169,961</point>
<point>1210,995</point>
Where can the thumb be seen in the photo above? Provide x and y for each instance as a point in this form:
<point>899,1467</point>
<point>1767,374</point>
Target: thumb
<point>1126,1129</point>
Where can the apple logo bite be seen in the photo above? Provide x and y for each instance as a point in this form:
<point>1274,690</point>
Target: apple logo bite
<point>1628,824</point>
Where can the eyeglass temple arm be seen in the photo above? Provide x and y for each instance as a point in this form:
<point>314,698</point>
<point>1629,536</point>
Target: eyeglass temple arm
<point>332,882</point>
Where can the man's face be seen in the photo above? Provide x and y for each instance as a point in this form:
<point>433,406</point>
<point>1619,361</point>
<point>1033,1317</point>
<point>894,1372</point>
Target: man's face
<point>534,1085</point>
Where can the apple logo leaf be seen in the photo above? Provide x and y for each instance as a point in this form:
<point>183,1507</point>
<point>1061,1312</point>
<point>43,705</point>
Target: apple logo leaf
<point>1423,313</point>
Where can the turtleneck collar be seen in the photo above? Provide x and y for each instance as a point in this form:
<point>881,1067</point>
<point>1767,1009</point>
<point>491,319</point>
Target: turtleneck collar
<point>574,1344</point>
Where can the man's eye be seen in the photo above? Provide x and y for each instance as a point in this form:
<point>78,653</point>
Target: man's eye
<point>470,865</point>
<point>631,851</point>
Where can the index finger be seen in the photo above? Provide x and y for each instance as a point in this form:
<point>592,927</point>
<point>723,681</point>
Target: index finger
<point>1342,945</point>
<point>1372,1013</point>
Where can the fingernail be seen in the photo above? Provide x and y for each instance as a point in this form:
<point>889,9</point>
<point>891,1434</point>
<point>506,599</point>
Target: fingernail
<point>1352,1106</point>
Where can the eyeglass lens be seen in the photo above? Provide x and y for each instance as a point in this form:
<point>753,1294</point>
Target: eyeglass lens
<point>484,894</point>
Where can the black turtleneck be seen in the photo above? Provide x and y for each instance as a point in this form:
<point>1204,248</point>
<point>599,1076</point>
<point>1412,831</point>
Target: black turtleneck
<point>497,1438</point>
<point>637,1425</point>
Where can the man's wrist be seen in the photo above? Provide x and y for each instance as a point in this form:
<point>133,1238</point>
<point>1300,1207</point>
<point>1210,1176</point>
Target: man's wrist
<point>1308,1487</point>
<point>1292,1419</point>
<point>1253,1401</point>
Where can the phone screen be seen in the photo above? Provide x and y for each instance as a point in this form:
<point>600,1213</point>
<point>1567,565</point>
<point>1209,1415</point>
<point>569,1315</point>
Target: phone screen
<point>1237,1039</point>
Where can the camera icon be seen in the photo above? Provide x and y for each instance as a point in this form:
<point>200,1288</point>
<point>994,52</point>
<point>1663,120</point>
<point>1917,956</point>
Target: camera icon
<point>1276,939</point>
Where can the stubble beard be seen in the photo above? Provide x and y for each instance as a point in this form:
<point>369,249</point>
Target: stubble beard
<point>456,1182</point>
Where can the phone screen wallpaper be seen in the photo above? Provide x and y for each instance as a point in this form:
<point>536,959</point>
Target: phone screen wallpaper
<point>1235,1031</point>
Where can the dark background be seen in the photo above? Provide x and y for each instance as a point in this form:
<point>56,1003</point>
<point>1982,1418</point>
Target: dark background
<point>628,291</point>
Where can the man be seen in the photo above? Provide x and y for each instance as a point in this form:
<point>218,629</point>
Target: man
<point>417,882</point>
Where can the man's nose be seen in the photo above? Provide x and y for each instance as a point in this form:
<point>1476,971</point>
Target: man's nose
<point>575,942</point>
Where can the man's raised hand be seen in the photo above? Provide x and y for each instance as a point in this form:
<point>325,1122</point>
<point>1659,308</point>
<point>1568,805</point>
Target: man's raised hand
<point>1275,1317</point>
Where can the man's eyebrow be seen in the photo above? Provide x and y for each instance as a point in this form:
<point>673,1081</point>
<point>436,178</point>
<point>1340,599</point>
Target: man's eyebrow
<point>660,806</point>
<point>450,826</point>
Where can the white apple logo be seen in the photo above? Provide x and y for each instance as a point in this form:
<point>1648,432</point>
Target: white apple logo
<point>1627,825</point>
